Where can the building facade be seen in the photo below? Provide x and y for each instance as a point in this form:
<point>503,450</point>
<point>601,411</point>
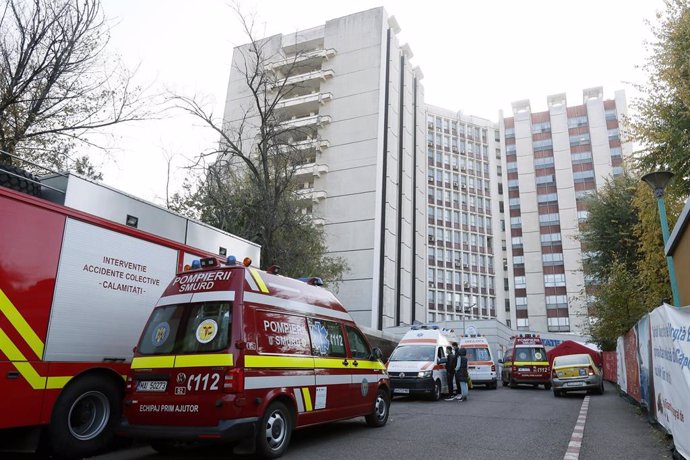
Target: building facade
<point>553,160</point>
<point>358,102</point>
<point>465,271</point>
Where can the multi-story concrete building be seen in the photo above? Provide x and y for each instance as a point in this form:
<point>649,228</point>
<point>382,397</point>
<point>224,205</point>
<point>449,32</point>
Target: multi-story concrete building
<point>358,103</point>
<point>465,271</point>
<point>553,160</point>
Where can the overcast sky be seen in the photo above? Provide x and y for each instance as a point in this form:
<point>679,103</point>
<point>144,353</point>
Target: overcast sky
<point>476,56</point>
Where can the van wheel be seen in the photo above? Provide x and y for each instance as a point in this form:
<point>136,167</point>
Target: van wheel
<point>436,395</point>
<point>84,417</point>
<point>382,406</point>
<point>547,386</point>
<point>275,431</point>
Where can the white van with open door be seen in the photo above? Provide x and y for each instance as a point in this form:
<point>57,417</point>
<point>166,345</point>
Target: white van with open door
<point>480,361</point>
<point>417,365</point>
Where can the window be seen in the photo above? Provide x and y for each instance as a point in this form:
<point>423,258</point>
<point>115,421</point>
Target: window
<point>617,170</point>
<point>576,122</point>
<point>552,259</point>
<point>614,134</point>
<point>518,260</point>
<point>520,283</point>
<point>558,324</point>
<point>544,144</point>
<point>547,198</point>
<point>543,180</point>
<point>579,139</point>
<point>549,219</point>
<point>358,345</point>
<point>510,132</point>
<point>513,183</point>
<point>583,176</point>
<point>550,238</point>
<point>541,127</point>
<point>582,157</point>
<point>515,222</point>
<point>611,114</point>
<point>511,166</point>
<point>616,152</point>
<point>582,215</point>
<point>556,301</point>
<point>541,163</point>
<point>514,203</point>
<point>516,241</point>
<point>326,338</point>
<point>523,324</point>
<point>554,280</point>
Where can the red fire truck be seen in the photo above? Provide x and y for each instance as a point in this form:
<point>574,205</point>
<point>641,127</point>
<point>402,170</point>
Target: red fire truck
<point>80,272</point>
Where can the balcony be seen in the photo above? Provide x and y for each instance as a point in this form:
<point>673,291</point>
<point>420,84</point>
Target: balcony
<point>317,145</point>
<point>315,195</point>
<point>316,75</point>
<point>304,122</point>
<point>301,60</point>
<point>303,104</point>
<point>311,169</point>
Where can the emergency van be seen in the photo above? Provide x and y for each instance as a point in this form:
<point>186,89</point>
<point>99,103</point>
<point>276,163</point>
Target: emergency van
<point>233,353</point>
<point>80,272</point>
<point>480,361</point>
<point>417,365</point>
<point>525,362</point>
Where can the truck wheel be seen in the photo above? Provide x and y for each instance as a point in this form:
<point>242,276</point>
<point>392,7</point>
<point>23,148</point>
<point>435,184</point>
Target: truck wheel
<point>436,395</point>
<point>275,431</point>
<point>84,417</point>
<point>25,183</point>
<point>382,407</point>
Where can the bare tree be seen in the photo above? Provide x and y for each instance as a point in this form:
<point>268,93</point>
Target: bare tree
<point>56,83</point>
<point>250,185</point>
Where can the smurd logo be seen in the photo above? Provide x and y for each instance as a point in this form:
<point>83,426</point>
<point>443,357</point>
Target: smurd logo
<point>319,337</point>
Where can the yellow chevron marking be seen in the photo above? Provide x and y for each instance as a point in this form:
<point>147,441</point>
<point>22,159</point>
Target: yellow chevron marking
<point>25,368</point>
<point>259,280</point>
<point>21,325</point>
<point>307,399</point>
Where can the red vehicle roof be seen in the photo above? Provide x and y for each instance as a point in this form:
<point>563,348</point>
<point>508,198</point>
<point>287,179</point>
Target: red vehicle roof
<point>570,347</point>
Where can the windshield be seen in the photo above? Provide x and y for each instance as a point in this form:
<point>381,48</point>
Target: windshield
<point>571,360</point>
<point>530,354</point>
<point>414,353</point>
<point>187,328</point>
<point>478,354</point>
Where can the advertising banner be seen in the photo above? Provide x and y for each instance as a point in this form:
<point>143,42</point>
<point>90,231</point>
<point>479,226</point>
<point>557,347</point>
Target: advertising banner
<point>620,365</point>
<point>643,358</point>
<point>632,367</point>
<point>671,363</point>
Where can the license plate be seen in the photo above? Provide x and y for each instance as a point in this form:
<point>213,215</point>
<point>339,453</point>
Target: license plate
<point>524,369</point>
<point>574,384</point>
<point>152,385</point>
<point>401,390</point>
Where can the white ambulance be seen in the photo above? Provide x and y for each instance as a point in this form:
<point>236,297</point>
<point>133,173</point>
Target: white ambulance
<point>480,362</point>
<point>417,365</point>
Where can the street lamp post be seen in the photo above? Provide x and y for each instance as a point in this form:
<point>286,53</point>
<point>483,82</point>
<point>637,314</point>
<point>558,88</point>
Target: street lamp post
<point>658,182</point>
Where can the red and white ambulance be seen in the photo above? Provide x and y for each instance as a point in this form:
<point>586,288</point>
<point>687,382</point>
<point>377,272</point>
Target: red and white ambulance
<point>77,283</point>
<point>480,361</point>
<point>233,353</point>
<point>417,365</point>
<point>525,362</point>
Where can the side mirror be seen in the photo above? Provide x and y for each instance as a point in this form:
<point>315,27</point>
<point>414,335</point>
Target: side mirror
<point>500,361</point>
<point>376,354</point>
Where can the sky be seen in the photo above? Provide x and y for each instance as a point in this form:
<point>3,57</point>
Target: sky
<point>476,56</point>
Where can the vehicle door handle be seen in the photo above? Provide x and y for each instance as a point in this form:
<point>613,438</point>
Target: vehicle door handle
<point>355,363</point>
<point>345,363</point>
<point>11,375</point>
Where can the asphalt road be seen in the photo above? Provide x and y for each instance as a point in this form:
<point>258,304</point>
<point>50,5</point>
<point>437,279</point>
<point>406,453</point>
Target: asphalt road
<point>522,423</point>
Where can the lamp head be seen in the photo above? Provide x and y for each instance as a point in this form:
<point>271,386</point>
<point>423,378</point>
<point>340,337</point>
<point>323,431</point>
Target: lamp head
<point>658,181</point>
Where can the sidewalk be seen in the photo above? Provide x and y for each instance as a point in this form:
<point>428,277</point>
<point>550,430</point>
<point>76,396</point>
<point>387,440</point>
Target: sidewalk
<point>615,429</point>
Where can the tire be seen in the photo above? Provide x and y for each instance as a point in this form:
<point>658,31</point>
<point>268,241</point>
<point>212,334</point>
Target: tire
<point>547,386</point>
<point>382,406</point>
<point>557,393</point>
<point>436,395</point>
<point>19,180</point>
<point>600,390</point>
<point>274,431</point>
<point>85,416</point>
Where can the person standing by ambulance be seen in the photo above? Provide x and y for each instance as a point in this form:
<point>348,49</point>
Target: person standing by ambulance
<point>451,359</point>
<point>462,375</point>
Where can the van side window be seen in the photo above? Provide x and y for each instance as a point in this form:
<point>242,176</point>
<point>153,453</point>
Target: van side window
<point>281,333</point>
<point>358,346</point>
<point>441,353</point>
<point>326,338</point>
